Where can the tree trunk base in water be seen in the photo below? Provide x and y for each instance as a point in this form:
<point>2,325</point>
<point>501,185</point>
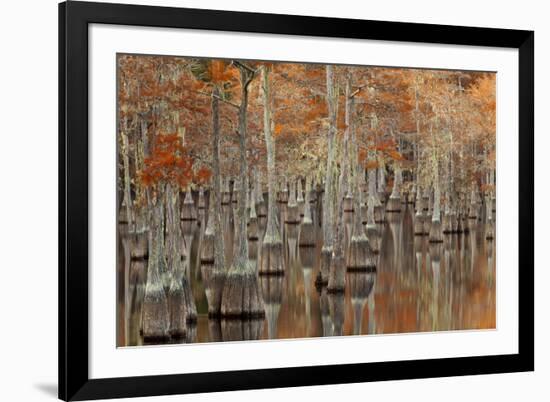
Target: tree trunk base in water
<point>427,225</point>
<point>188,302</point>
<point>155,316</point>
<point>337,275</point>
<point>241,297</point>
<point>465,225</point>
<point>176,304</point>
<point>307,257</point>
<point>207,249</point>
<point>361,257</point>
<point>489,231</point>
<point>326,257</point>
<point>379,214</point>
<point>336,302</point>
<point>272,259</point>
<point>454,223</point>
<point>459,226</point>
<point>242,330</point>
<point>261,209</point>
<point>419,226</point>
<point>213,279</point>
<point>301,208</point>
<point>138,246</point>
<point>154,339</point>
<point>447,224</point>
<point>188,213</point>
<point>363,210</point>
<point>375,238</point>
<point>253,229</point>
<point>292,215</point>
<point>394,205</point>
<point>436,234</point>
<point>307,235</point>
<point>348,204</point>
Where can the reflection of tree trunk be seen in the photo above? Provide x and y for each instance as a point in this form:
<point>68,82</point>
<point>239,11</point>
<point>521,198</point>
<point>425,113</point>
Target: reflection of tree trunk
<point>371,309</point>
<point>325,312</point>
<point>361,284</point>
<point>272,292</point>
<point>336,304</point>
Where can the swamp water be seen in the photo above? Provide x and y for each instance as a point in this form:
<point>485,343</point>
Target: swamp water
<point>417,286</point>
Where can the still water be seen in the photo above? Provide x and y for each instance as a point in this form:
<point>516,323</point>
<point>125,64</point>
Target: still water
<point>417,286</point>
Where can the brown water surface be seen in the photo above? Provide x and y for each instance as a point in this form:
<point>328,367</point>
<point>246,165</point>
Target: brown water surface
<point>417,287</point>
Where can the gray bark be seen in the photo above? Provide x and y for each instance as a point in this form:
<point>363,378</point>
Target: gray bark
<point>125,149</point>
<point>242,296</point>
<point>272,234</point>
<point>328,199</point>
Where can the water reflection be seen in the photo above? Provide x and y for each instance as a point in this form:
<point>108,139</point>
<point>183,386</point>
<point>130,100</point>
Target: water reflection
<point>417,285</point>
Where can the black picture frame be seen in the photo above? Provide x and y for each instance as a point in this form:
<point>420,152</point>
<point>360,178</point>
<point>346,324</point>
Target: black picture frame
<point>74,381</point>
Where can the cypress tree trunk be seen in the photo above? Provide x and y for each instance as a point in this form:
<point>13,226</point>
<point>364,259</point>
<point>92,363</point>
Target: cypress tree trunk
<point>360,253</point>
<point>373,206</point>
<point>382,184</point>
<point>300,197</point>
<point>436,232</point>
<point>261,209</point>
<point>330,188</point>
<point>394,203</point>
<point>207,245</point>
<point>219,246</point>
<point>180,297</point>
<point>155,318</point>
<point>419,215</point>
<point>292,213</point>
<point>213,249</point>
<point>307,230</point>
<point>241,296</point>
<point>272,244</point>
<point>202,202</point>
<point>127,201</point>
<point>337,278</point>
<point>489,230</point>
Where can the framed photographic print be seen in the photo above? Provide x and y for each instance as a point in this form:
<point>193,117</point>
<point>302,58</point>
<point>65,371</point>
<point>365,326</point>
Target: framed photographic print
<point>257,200</point>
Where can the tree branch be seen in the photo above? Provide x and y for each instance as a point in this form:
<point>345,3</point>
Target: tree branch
<point>357,91</point>
<point>219,98</point>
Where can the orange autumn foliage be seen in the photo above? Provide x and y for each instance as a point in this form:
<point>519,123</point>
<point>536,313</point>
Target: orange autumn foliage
<point>203,175</point>
<point>168,163</point>
<point>219,72</point>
